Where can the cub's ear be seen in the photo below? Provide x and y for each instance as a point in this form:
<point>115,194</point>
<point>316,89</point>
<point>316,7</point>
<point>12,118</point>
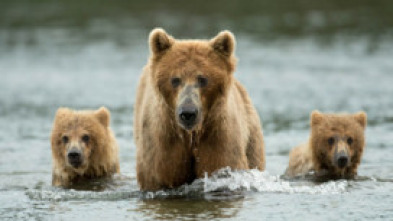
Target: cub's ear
<point>361,118</point>
<point>160,41</point>
<point>224,43</point>
<point>103,116</point>
<point>316,117</point>
<point>62,111</point>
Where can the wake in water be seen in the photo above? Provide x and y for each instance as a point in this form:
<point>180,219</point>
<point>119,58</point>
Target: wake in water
<point>226,181</point>
<point>225,184</point>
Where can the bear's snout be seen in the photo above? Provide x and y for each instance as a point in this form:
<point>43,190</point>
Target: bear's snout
<point>188,115</point>
<point>75,157</point>
<point>341,154</point>
<point>188,111</point>
<point>342,159</point>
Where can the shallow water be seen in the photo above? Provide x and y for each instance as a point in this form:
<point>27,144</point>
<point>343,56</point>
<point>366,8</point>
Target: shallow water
<point>289,69</point>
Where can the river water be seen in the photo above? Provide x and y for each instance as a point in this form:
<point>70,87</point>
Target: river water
<point>293,58</point>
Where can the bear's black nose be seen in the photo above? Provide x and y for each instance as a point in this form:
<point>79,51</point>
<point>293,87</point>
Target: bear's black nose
<point>342,161</point>
<point>188,116</point>
<point>74,158</point>
<point>74,155</point>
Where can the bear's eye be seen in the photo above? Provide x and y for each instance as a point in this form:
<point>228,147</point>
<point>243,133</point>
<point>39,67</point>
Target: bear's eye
<point>331,140</point>
<point>175,82</point>
<point>350,140</point>
<point>85,138</point>
<point>202,81</point>
<point>65,139</point>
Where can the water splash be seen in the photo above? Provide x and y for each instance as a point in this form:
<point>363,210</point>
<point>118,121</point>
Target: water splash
<point>225,184</point>
<point>256,181</point>
<point>73,195</point>
<point>229,183</point>
<point>118,187</point>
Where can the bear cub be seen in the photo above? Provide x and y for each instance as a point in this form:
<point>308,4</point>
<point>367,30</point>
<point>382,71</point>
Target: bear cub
<point>83,146</point>
<point>334,149</point>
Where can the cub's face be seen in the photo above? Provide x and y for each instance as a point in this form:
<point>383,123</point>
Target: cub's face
<point>338,142</point>
<point>76,145</point>
<point>191,76</point>
<point>76,135</point>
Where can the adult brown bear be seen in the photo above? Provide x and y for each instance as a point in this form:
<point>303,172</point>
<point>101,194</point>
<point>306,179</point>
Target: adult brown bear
<point>191,115</point>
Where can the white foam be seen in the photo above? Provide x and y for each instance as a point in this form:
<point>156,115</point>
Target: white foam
<point>66,195</point>
<point>257,181</point>
<point>223,183</point>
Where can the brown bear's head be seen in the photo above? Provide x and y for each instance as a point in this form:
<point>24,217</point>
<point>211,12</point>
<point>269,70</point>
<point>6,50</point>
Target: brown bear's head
<point>77,136</point>
<point>192,76</point>
<point>337,142</point>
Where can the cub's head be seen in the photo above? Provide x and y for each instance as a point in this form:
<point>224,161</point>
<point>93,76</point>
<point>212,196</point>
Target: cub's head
<point>77,136</point>
<point>192,76</point>
<point>337,142</point>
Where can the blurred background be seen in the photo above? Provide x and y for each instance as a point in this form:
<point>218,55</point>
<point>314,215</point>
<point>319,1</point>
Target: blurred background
<point>100,47</point>
<point>294,56</point>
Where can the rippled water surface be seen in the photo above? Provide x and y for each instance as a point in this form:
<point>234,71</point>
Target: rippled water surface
<point>293,58</point>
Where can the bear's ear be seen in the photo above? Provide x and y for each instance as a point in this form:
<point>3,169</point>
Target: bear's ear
<point>160,41</point>
<point>316,117</point>
<point>62,111</point>
<point>224,43</point>
<point>103,116</point>
<point>361,118</point>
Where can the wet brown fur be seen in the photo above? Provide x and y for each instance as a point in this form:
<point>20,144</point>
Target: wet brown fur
<point>317,155</point>
<point>229,133</point>
<point>101,152</point>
